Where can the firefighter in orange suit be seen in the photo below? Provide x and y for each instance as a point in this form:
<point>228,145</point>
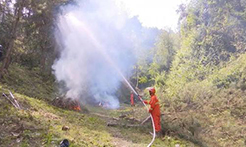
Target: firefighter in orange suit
<point>154,109</point>
<point>132,99</point>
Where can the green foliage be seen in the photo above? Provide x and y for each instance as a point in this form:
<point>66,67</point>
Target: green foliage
<point>203,89</point>
<point>232,75</point>
<point>152,65</point>
<point>201,112</point>
<point>33,41</point>
<point>209,40</point>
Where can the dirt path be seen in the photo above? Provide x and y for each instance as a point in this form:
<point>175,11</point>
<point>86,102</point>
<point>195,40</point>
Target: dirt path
<point>118,139</point>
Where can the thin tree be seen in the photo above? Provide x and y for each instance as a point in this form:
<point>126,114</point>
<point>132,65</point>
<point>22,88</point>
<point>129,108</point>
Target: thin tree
<point>18,14</point>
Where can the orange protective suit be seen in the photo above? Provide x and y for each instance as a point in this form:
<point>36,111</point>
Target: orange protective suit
<point>155,111</point>
<point>132,99</point>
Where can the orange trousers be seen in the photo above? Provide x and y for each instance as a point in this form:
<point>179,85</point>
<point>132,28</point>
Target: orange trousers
<point>157,122</point>
<point>132,99</point>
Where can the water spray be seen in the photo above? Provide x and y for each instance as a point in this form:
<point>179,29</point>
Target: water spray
<point>99,47</point>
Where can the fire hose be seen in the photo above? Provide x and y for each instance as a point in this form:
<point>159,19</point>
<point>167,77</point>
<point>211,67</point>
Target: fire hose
<point>135,92</point>
<point>130,86</point>
<point>152,120</point>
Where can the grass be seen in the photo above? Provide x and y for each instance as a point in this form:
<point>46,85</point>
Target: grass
<point>29,82</point>
<point>40,124</point>
<point>211,119</point>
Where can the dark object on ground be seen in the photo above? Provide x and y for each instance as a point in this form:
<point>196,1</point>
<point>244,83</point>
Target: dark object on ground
<point>64,143</point>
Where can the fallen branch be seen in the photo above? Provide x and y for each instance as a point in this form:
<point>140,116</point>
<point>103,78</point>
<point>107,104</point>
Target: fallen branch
<point>17,104</point>
<point>132,119</point>
<point>121,125</point>
<point>112,124</point>
<point>144,121</point>
<point>10,101</point>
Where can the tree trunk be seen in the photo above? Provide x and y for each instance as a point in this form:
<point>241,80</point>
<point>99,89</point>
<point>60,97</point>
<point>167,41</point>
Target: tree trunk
<point>43,63</point>
<point>6,61</point>
<point>42,60</point>
<point>3,13</point>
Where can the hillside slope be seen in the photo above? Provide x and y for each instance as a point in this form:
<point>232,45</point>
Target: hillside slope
<point>40,124</point>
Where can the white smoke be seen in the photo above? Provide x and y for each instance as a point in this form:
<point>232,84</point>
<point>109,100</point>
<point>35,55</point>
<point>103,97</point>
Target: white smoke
<point>93,37</point>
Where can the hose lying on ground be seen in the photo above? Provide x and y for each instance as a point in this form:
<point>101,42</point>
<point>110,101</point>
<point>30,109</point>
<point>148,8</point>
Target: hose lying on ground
<point>130,86</point>
<point>152,120</point>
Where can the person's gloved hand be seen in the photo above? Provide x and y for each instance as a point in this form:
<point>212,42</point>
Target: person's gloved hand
<point>146,102</point>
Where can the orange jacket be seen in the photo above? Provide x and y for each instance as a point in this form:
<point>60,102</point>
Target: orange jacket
<point>154,105</point>
<point>155,111</point>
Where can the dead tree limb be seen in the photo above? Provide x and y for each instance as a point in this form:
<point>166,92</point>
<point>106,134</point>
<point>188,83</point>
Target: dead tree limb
<point>144,121</point>
<point>16,102</point>
<point>110,124</point>
<point>10,100</point>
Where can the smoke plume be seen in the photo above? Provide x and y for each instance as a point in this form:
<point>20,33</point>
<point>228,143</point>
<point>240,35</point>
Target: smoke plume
<point>95,37</point>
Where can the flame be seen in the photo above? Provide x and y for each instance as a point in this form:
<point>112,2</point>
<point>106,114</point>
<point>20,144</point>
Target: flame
<point>76,105</point>
<point>77,108</point>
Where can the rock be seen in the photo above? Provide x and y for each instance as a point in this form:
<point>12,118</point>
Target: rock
<point>37,134</point>
<point>111,124</point>
<point>15,134</point>
<point>18,140</point>
<point>122,116</point>
<point>65,128</point>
